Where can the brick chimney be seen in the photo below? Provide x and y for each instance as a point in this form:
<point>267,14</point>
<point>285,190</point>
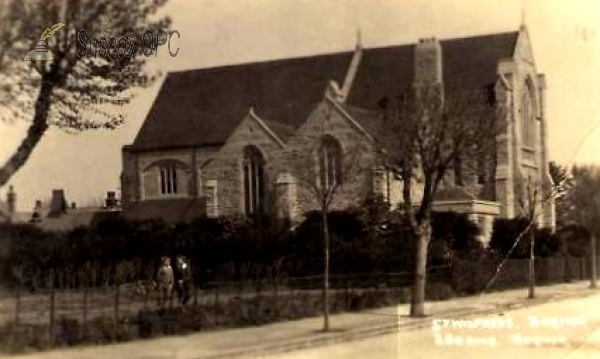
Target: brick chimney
<point>428,62</point>
<point>11,201</point>
<point>58,204</point>
<point>111,200</point>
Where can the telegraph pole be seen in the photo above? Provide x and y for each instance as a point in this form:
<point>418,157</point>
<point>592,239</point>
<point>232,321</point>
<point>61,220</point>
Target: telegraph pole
<point>593,270</point>
<point>592,230</point>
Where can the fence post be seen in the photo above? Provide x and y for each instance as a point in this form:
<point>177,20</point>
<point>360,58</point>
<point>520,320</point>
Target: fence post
<point>276,292</point>
<point>117,294</point>
<point>52,305</point>
<point>146,295</point>
<point>84,283</point>
<point>195,295</point>
<point>346,295</point>
<point>18,305</point>
<point>85,309</point>
<point>216,295</point>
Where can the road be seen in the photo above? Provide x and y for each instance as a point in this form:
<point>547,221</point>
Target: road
<point>568,329</point>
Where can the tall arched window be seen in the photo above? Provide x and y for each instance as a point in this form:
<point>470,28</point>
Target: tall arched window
<point>528,116</point>
<point>330,162</point>
<point>254,180</point>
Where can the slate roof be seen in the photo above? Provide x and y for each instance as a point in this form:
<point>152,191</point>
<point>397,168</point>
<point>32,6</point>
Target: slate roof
<point>282,130</point>
<point>202,107</point>
<point>369,120</point>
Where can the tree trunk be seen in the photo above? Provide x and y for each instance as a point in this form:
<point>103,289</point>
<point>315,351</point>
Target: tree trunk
<point>423,237</point>
<point>325,272</point>
<point>531,264</point>
<point>34,134</point>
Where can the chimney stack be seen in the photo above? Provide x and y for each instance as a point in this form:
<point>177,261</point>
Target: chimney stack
<point>58,204</point>
<point>36,216</point>
<point>111,200</point>
<point>428,62</point>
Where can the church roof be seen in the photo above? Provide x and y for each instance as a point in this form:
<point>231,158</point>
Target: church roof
<point>202,107</point>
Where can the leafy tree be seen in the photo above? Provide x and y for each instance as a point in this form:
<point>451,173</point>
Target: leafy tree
<point>506,234</point>
<point>575,240</point>
<point>585,197</point>
<point>460,233</point>
<point>71,92</point>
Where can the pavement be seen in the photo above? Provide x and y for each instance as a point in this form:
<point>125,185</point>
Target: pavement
<point>307,333</point>
<point>559,329</point>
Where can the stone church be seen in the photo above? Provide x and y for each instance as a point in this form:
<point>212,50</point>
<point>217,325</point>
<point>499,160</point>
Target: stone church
<point>215,139</point>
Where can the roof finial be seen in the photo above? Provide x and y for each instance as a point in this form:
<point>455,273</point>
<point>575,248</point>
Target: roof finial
<point>523,15</point>
<point>358,37</point>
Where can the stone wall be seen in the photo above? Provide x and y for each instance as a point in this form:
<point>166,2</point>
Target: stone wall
<point>140,178</point>
<point>226,165</point>
<point>300,160</point>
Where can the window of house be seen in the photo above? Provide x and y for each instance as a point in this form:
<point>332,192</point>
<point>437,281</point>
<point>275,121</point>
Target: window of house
<point>330,163</point>
<point>254,180</point>
<point>168,179</point>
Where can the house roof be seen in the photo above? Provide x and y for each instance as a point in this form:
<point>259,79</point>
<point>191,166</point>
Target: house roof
<point>70,220</point>
<point>172,210</point>
<point>3,211</point>
<point>202,107</point>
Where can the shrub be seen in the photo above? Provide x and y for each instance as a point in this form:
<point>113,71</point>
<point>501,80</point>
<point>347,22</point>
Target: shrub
<point>236,312</point>
<point>506,231</point>
<point>24,338</point>
<point>68,332</point>
<point>438,291</point>
<point>101,330</point>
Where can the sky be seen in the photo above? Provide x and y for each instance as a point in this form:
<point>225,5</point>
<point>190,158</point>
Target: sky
<point>565,38</point>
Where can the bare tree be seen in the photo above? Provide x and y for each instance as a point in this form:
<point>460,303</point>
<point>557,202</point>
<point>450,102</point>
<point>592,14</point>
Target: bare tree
<point>427,132</point>
<point>558,174</point>
<point>324,168</point>
<point>533,197</point>
<point>75,90</point>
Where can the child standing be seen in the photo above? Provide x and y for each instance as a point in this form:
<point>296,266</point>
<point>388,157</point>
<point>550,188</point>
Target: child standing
<point>184,276</point>
<point>165,281</point>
